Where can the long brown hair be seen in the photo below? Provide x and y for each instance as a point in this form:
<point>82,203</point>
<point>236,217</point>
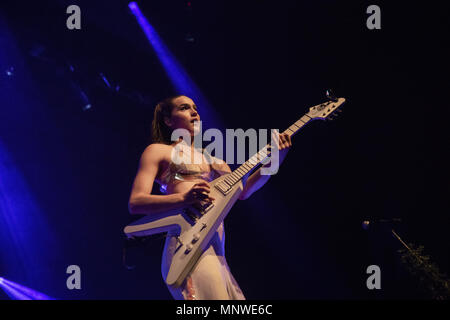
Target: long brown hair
<point>161,133</point>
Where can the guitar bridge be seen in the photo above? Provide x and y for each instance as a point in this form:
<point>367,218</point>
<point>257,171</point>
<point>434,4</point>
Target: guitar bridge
<point>194,213</point>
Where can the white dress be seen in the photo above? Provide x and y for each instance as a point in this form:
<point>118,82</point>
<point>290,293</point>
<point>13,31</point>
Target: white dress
<point>210,278</point>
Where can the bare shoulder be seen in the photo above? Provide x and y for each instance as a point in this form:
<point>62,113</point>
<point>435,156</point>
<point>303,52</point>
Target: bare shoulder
<point>157,147</point>
<point>156,152</point>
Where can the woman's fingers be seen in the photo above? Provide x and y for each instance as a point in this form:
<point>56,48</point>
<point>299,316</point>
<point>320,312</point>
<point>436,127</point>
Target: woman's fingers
<point>202,192</point>
<point>282,140</point>
<point>202,189</point>
<point>289,140</point>
<point>202,183</point>
<point>205,197</point>
<point>275,139</point>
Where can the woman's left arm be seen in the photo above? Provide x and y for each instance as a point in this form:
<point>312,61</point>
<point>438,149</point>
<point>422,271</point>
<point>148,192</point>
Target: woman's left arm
<point>256,179</point>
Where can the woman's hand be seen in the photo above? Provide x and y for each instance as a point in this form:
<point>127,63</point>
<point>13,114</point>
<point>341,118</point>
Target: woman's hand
<point>283,144</point>
<point>198,194</point>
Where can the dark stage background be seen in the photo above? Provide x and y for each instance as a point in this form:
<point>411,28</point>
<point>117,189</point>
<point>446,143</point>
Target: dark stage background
<point>261,64</point>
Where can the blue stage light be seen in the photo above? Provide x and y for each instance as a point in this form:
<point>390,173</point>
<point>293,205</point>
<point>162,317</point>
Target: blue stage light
<point>180,79</point>
<point>19,292</point>
<point>10,71</point>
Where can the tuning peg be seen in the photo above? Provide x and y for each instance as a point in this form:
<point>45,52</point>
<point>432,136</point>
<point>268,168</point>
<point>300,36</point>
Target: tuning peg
<point>330,95</point>
<point>333,116</point>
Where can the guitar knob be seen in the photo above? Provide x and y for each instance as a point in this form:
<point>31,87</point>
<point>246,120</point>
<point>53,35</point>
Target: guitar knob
<point>196,237</point>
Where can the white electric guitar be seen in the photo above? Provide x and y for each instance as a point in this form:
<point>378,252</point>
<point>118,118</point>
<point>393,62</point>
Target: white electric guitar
<point>194,231</point>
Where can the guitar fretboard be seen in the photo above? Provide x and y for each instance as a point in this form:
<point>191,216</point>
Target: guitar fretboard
<point>258,157</point>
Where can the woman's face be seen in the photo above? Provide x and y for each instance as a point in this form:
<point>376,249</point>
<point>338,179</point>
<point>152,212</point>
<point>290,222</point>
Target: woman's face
<point>184,114</point>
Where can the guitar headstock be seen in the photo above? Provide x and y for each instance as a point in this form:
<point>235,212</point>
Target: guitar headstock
<point>327,110</point>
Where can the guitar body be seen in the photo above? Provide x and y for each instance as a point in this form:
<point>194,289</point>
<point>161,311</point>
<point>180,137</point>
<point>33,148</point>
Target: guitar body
<point>193,235</point>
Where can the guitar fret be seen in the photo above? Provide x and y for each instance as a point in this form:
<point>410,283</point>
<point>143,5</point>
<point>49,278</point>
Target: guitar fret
<point>262,154</point>
<point>300,126</point>
<point>291,132</point>
<point>305,118</point>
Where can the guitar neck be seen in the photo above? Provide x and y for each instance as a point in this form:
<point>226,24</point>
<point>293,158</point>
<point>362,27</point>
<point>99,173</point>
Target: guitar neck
<point>258,157</point>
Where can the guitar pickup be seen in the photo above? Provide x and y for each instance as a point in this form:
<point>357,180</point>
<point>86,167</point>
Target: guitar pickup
<point>207,207</point>
<point>222,187</point>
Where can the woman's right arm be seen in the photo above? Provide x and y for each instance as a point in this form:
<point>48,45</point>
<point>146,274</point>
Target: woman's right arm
<point>142,202</point>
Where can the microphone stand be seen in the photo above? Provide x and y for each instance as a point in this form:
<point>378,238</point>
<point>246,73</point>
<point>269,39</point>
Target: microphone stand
<point>437,283</point>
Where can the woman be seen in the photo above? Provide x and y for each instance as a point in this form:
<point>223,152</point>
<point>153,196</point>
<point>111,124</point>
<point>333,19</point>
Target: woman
<point>184,185</point>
